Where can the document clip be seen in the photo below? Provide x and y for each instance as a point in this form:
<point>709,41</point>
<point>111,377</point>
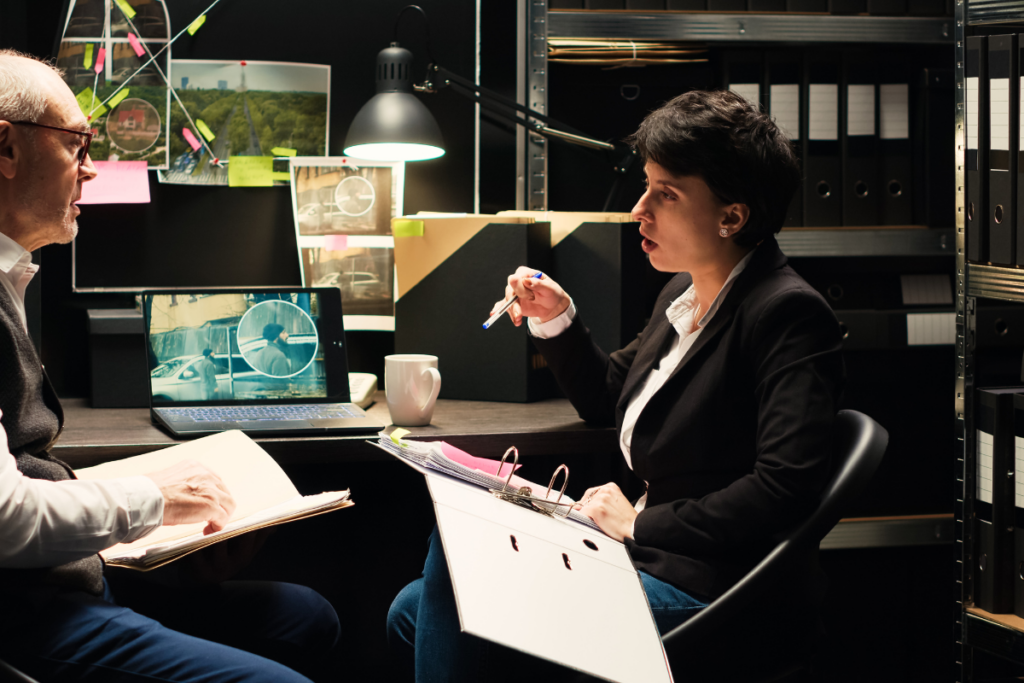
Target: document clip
<point>524,496</point>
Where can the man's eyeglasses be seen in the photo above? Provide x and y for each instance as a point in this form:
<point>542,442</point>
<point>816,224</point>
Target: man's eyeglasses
<point>82,153</point>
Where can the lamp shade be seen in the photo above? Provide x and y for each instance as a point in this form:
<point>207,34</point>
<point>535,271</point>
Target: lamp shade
<point>394,125</point>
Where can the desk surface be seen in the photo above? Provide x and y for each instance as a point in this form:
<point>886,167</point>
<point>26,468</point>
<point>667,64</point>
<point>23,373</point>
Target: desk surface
<point>549,427</point>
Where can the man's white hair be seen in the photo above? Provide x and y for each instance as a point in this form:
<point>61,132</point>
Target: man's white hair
<point>20,97</point>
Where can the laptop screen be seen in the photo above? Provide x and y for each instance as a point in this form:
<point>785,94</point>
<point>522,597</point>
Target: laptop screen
<point>244,347</point>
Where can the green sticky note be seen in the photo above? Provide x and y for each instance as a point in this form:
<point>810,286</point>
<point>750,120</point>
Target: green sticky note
<point>126,8</point>
<point>116,100</point>
<point>282,175</point>
<point>205,130</point>
<point>90,104</point>
<point>396,436</point>
<point>284,152</point>
<point>250,171</point>
<point>87,60</point>
<point>194,26</point>
<point>402,227</point>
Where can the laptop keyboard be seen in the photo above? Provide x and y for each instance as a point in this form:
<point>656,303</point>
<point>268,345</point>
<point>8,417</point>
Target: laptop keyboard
<point>322,411</point>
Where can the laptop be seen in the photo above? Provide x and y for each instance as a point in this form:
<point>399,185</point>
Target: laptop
<point>265,361</point>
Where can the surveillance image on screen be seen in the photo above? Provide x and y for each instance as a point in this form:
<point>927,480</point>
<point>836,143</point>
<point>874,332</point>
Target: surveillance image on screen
<point>233,346</point>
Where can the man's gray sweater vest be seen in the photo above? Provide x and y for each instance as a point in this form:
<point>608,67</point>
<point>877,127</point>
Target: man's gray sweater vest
<point>33,419</point>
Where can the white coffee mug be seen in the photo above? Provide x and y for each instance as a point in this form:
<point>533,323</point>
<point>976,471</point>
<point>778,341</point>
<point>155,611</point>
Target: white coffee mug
<point>411,384</point>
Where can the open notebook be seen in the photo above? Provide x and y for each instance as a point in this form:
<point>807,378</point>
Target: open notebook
<point>264,495</point>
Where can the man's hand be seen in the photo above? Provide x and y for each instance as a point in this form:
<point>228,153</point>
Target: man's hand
<point>610,509</point>
<point>538,298</point>
<point>193,493</point>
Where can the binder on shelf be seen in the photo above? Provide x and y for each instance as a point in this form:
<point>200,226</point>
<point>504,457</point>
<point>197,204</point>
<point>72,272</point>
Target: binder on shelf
<point>1003,102</point>
<point>1016,167</point>
<point>1018,505</point>
<point>807,5</point>
<point>450,271</point>
<point>766,5</point>
<point>895,153</point>
<point>822,189</point>
<point>976,134</point>
<point>743,74</point>
<point>994,499</point>
<point>555,564</point>
<point>783,94</point>
<point>859,142</point>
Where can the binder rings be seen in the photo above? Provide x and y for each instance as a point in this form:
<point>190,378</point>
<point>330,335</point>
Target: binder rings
<point>976,133</point>
<point>895,158</point>
<point>1003,90</point>
<point>994,498</point>
<point>822,163</point>
<point>555,567</point>
<point>860,142</point>
<point>783,92</point>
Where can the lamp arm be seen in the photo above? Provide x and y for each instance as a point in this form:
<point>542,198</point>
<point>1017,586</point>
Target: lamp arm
<point>445,78</point>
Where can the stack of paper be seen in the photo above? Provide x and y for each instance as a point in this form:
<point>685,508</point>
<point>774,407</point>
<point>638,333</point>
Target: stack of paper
<point>263,493</point>
<point>439,456</point>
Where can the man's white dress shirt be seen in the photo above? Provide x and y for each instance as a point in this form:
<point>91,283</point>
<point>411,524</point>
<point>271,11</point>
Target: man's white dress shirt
<point>49,523</point>
<point>680,314</point>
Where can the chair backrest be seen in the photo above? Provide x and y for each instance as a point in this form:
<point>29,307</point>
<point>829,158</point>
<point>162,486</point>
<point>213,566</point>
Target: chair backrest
<point>8,674</point>
<point>858,444</point>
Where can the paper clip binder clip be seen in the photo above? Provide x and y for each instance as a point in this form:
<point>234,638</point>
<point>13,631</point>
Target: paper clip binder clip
<point>524,496</point>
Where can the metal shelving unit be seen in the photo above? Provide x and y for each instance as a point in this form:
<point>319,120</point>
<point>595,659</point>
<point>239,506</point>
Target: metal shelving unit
<point>705,27</point>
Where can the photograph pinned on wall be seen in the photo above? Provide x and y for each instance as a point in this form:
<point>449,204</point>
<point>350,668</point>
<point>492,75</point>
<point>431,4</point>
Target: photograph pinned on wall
<point>115,81</point>
<point>343,209</point>
<point>244,108</point>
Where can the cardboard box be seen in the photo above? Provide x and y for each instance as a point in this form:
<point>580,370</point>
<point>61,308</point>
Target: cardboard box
<point>450,271</point>
<point>597,259</point>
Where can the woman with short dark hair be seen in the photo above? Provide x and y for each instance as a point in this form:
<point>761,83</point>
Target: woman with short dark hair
<point>724,403</point>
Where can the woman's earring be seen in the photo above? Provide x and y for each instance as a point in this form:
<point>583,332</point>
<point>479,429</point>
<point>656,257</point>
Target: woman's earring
<point>724,232</point>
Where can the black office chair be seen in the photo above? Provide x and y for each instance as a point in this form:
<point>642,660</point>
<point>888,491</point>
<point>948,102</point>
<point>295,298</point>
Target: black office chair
<point>737,637</point>
<point>8,674</point>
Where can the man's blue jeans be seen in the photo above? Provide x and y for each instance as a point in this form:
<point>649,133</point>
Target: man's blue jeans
<point>194,635</point>
<point>423,628</point>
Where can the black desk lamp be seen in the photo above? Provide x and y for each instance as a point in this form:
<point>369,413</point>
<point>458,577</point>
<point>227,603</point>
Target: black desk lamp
<point>396,126</point>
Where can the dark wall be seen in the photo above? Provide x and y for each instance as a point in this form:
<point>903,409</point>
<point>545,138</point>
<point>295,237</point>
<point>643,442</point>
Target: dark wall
<point>346,35</point>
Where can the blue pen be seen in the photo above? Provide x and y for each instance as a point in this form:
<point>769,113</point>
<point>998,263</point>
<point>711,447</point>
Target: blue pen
<point>494,318</point>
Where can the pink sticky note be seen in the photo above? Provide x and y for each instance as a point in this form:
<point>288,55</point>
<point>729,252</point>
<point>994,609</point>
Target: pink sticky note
<point>191,139</point>
<point>100,60</point>
<point>485,465</point>
<point>136,45</point>
<point>336,242</point>
<point>118,182</point>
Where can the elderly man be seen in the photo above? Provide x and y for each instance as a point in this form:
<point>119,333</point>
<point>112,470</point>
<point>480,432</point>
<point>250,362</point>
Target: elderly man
<point>61,618</point>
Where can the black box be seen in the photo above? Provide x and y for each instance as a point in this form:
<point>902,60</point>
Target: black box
<point>449,277</point>
<point>117,359</point>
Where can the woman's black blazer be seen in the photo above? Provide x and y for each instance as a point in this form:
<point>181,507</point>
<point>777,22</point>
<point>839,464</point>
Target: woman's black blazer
<point>735,446</point>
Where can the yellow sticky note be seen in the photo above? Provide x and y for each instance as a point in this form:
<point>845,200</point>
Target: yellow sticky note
<point>284,152</point>
<point>250,171</point>
<point>87,60</point>
<point>116,100</point>
<point>126,8</point>
<point>205,130</point>
<point>406,228</point>
<point>396,436</point>
<point>90,104</point>
<point>282,175</point>
<point>194,26</point>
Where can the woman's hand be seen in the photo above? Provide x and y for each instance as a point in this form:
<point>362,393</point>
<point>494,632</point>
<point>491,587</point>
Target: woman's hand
<point>541,298</point>
<point>610,509</point>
